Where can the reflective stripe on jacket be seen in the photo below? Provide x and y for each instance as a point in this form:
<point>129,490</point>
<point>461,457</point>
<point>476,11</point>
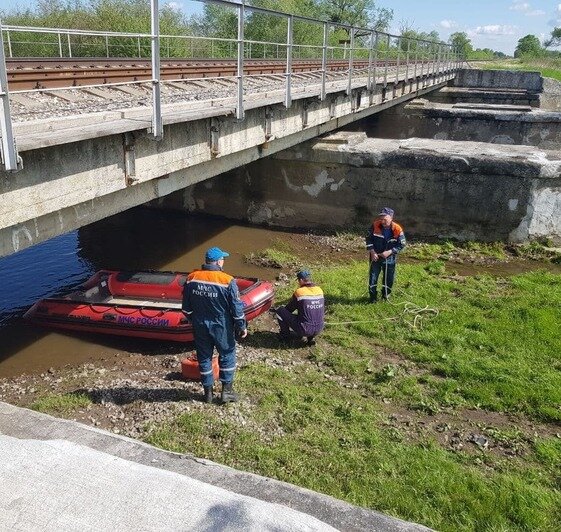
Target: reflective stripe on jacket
<point>308,300</point>
<point>211,295</point>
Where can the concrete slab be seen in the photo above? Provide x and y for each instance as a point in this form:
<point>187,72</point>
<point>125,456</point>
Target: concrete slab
<point>58,485</point>
<point>60,475</point>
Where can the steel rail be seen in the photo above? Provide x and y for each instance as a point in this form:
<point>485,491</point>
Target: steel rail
<point>21,77</point>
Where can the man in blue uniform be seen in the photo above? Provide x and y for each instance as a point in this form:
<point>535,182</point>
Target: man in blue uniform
<point>211,301</point>
<point>308,302</point>
<point>385,239</point>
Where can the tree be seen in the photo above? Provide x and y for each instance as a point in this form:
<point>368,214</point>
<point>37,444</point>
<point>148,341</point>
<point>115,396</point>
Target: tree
<point>554,40</point>
<point>362,13</point>
<point>528,46</point>
<point>461,43</point>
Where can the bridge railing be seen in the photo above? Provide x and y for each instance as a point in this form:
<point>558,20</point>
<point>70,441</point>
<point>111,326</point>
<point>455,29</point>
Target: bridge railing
<point>376,56</point>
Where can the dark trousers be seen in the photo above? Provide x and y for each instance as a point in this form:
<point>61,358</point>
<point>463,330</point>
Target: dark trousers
<point>207,337</point>
<point>289,322</point>
<point>388,276</point>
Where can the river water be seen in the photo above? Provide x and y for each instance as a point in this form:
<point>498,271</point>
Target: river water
<point>137,239</point>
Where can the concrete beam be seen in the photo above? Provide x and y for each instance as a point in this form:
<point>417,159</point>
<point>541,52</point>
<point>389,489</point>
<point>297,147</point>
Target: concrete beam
<point>71,184</point>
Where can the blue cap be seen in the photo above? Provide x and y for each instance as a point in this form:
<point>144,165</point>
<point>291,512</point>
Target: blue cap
<point>303,274</point>
<point>214,254</point>
<point>386,211</point>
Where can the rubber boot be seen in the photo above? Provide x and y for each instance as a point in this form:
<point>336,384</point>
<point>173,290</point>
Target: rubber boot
<point>208,394</point>
<point>228,394</point>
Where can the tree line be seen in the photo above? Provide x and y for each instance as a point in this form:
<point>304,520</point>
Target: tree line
<point>192,32</point>
<point>531,47</point>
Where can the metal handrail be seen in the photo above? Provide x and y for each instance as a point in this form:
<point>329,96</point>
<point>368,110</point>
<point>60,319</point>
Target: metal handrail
<point>375,46</point>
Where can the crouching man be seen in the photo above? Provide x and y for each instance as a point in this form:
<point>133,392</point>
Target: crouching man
<point>308,303</point>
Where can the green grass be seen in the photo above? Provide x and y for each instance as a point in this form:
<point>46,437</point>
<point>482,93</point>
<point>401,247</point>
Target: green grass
<point>280,255</point>
<point>495,344</point>
<point>61,404</point>
<point>549,68</point>
<point>455,343</point>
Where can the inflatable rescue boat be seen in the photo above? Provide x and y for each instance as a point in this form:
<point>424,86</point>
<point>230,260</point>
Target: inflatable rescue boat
<point>141,304</point>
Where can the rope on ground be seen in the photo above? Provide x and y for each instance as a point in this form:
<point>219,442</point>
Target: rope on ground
<point>417,313</point>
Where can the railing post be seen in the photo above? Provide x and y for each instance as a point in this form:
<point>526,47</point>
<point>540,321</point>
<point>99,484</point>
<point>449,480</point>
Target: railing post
<point>386,65</point>
<point>433,52</point>
<point>324,62</point>
<point>10,156</point>
<point>69,45</point>
<point>157,124</point>
<point>138,45</point>
<point>9,44</point>
<point>375,73</point>
<point>288,94</point>
<point>107,45</point>
<point>438,63</point>
<point>397,66</point>
<point>416,62</point>
<point>241,20</point>
<point>407,62</point>
<point>59,44</point>
<point>369,80</point>
<point>351,51</point>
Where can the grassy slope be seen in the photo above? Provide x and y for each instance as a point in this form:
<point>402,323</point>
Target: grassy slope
<point>494,344</point>
<point>550,68</point>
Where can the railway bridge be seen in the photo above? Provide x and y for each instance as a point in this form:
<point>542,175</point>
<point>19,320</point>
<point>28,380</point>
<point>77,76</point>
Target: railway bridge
<point>85,138</point>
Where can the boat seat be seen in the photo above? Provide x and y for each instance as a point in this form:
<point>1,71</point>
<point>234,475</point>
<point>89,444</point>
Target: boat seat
<point>98,293</point>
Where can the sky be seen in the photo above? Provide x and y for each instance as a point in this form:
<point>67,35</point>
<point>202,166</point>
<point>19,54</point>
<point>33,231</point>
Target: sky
<point>496,24</point>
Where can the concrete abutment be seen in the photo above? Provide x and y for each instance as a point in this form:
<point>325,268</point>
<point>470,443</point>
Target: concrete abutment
<point>472,186</point>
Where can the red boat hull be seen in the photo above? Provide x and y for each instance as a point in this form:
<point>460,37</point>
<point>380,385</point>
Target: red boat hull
<point>137,304</point>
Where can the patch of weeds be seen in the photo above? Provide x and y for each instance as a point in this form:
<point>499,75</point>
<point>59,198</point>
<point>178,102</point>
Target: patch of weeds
<point>508,438</point>
<point>61,404</point>
<point>274,258</point>
<point>425,251</point>
<point>548,452</point>
<point>427,406</point>
<point>541,250</point>
<point>435,267</point>
<point>494,250</point>
<point>385,374</point>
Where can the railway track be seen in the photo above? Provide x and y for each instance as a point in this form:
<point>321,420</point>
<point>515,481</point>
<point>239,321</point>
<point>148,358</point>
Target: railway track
<point>32,73</point>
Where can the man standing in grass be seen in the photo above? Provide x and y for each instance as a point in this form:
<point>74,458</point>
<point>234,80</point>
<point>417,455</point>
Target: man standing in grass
<point>384,241</point>
<point>212,303</point>
<point>308,303</point>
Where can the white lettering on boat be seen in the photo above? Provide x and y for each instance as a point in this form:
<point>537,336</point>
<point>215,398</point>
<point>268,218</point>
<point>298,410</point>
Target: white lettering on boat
<point>156,322</point>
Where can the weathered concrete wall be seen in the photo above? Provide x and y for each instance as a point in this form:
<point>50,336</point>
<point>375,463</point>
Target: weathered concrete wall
<point>471,122</point>
<point>499,79</point>
<point>439,189</point>
<point>550,99</point>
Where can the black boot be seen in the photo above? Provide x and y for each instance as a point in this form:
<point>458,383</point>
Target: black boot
<point>311,340</point>
<point>208,395</point>
<point>228,394</point>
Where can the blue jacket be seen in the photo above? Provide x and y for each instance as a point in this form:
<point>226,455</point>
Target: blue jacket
<point>309,302</point>
<point>380,238</point>
<point>212,296</point>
